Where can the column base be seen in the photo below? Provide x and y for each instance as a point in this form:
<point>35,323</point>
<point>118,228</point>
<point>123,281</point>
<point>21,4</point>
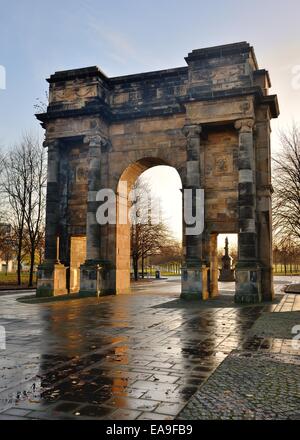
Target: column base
<point>267,286</point>
<point>96,278</point>
<point>194,283</point>
<point>74,278</point>
<point>52,280</point>
<point>213,285</point>
<point>248,283</point>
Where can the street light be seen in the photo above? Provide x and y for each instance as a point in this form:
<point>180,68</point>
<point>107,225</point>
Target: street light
<point>98,278</point>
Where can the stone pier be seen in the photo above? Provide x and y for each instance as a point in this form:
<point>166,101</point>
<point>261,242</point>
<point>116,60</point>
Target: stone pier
<point>210,120</point>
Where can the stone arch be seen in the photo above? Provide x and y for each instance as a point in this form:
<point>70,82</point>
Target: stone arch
<point>216,134</point>
<point>129,176</point>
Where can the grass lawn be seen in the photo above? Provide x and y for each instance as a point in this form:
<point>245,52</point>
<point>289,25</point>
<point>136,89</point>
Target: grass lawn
<point>288,274</point>
<point>11,279</point>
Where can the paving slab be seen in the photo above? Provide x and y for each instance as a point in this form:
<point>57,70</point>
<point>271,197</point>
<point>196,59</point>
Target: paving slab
<point>131,356</point>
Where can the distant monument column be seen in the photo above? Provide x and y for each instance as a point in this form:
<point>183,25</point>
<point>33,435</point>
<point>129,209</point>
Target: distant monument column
<point>227,273</point>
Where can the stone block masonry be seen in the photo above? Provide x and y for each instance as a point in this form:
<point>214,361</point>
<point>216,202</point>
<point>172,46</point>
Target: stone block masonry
<point>210,120</point>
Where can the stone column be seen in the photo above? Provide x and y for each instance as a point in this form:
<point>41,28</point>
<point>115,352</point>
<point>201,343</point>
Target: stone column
<point>248,273</point>
<point>94,185</point>
<point>265,245</point>
<point>52,205</point>
<point>95,269</point>
<point>52,274</point>
<point>264,202</point>
<point>194,271</point>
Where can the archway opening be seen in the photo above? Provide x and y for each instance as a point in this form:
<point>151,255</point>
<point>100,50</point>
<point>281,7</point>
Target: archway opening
<point>227,260</point>
<point>163,187</point>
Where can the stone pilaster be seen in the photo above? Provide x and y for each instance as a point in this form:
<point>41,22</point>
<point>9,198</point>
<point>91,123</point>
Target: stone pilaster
<point>264,202</point>
<point>94,273</point>
<point>248,271</point>
<point>194,271</point>
<point>94,185</point>
<point>52,274</point>
<point>214,265</point>
<point>52,205</point>
<point>265,248</point>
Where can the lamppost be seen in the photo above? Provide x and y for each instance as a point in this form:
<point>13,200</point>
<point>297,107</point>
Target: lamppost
<point>98,279</point>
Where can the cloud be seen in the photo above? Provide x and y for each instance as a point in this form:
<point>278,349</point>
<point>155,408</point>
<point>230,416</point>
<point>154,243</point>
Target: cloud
<point>116,45</point>
<point>120,48</point>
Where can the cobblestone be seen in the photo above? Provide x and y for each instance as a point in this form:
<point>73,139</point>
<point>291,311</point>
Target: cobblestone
<point>249,386</point>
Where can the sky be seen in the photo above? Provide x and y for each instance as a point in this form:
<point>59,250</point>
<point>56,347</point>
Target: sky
<point>39,37</point>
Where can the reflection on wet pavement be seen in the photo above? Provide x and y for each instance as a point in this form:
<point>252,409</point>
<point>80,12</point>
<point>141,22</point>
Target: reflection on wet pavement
<point>125,357</point>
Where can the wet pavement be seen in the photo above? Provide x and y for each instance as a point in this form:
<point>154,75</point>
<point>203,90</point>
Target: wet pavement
<point>138,356</point>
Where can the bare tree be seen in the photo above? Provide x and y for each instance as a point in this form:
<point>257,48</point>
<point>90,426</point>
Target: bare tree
<point>7,245</point>
<point>23,183</point>
<point>286,253</point>
<point>286,201</point>
<point>34,213</point>
<point>14,184</point>
<point>170,256</point>
<point>41,105</point>
<point>147,239</point>
<point>40,249</point>
<point>2,205</point>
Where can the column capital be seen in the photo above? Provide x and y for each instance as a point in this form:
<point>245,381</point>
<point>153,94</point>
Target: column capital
<point>93,140</point>
<point>97,141</point>
<point>192,130</point>
<point>245,125</point>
